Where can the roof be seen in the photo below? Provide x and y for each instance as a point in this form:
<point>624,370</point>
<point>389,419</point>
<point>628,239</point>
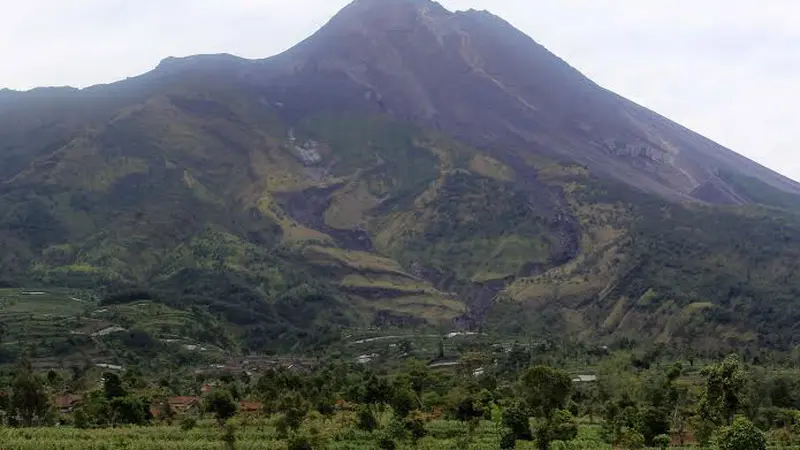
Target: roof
<point>67,400</point>
<point>249,406</point>
<point>584,378</point>
<point>182,401</point>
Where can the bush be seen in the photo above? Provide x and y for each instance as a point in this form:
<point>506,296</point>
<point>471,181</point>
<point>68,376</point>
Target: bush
<point>220,403</point>
<point>415,425</point>
<point>295,409</point>
<point>385,442</point>
<point>741,435</point>
<point>299,442</point>
<point>396,429</point>
<point>403,402</point>
<point>188,423</point>
<point>468,408</point>
<point>366,420</point>
<point>508,441</point>
<point>631,439</point>
<point>518,423</point>
<point>662,441</point>
<point>229,436</point>
<point>309,439</point>
<point>782,436</point>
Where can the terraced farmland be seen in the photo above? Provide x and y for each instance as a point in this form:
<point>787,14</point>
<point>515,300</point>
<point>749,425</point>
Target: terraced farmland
<point>58,328</point>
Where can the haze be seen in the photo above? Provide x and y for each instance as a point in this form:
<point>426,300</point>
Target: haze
<point>728,69</point>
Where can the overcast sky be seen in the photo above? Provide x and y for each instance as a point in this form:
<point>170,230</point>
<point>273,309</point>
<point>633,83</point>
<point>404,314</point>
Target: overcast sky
<point>729,69</point>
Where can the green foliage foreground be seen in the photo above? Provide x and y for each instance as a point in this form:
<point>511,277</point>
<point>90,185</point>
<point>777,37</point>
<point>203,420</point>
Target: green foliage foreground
<point>334,434</point>
<point>340,406</point>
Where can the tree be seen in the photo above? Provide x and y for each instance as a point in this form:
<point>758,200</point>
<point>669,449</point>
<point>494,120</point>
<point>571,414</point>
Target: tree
<point>5,406</point>
<point>130,410</point>
<point>94,410</point>
<point>220,403</point>
<point>294,408</point>
<point>741,435</point>
<point>419,376</point>
<point>375,392</point>
<point>112,386</point>
<point>405,346</point>
<point>545,392</point>
<point>471,362</point>
<point>518,358</point>
<point>54,380</point>
<point>560,426</point>
<point>403,401</point>
<point>620,417</point>
<point>469,409</point>
<point>725,391</point>
<point>29,399</point>
<point>516,421</point>
<point>653,421</point>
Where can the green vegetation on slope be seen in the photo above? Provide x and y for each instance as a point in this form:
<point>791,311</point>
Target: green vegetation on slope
<point>646,262</point>
<point>276,233</point>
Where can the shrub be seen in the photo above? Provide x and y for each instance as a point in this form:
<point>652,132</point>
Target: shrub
<point>662,441</point>
<point>188,423</point>
<point>631,439</point>
<point>508,441</point>
<point>299,442</point>
<point>366,420</point>
<point>518,423</point>
<point>220,403</point>
<point>741,435</point>
<point>415,425</point>
<point>385,442</point>
<point>229,436</point>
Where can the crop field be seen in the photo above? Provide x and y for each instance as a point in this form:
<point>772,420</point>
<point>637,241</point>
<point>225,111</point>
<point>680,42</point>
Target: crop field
<point>60,328</point>
<point>40,318</point>
<point>337,433</point>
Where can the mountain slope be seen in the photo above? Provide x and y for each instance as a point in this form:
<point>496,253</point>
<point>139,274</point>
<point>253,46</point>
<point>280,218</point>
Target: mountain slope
<point>405,165</point>
<point>475,77</point>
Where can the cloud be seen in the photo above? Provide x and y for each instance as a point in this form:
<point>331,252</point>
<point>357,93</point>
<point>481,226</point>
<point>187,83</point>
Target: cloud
<point>728,69</point>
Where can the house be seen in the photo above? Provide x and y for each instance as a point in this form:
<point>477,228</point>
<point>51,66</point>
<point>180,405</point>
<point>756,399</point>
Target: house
<point>178,405</point>
<point>584,379</point>
<point>250,407</point>
<point>67,403</point>
<point>182,405</point>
